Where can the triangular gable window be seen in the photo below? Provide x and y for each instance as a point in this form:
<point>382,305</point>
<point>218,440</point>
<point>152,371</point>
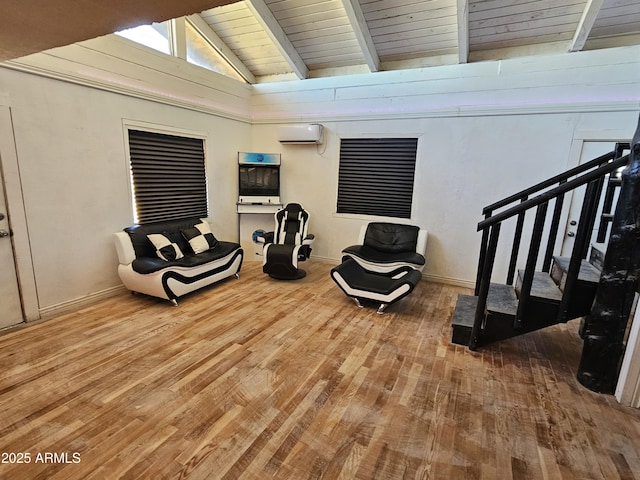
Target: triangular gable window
<point>154,36</point>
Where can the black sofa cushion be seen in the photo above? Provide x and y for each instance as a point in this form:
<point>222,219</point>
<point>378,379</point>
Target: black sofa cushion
<point>153,264</point>
<point>391,237</point>
<point>172,229</point>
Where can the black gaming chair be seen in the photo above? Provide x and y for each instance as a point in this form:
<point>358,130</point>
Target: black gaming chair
<point>288,244</point>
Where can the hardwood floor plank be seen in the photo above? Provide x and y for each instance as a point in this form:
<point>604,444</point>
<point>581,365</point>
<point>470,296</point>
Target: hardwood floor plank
<point>549,469</point>
<point>256,378</point>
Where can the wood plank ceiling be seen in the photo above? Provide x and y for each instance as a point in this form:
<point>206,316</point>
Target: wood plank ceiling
<point>269,40</point>
<point>315,38</point>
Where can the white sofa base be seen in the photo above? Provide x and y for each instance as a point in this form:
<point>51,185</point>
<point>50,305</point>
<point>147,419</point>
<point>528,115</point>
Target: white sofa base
<point>178,280</point>
<point>173,281</point>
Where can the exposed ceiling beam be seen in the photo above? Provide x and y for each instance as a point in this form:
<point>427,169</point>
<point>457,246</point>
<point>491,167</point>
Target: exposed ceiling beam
<point>178,38</point>
<point>463,30</point>
<point>361,30</point>
<point>589,16</point>
<point>222,48</point>
<point>261,11</point>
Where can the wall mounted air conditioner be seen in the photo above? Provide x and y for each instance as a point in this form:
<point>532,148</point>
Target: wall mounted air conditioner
<point>307,133</point>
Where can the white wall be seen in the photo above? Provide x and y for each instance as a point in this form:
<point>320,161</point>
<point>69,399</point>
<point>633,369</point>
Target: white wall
<point>485,131</point>
<point>70,143</point>
<point>463,164</point>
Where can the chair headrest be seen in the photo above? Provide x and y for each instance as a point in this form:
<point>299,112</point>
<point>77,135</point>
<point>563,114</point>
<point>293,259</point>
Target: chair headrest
<point>291,224</point>
<point>292,211</point>
<point>391,237</point>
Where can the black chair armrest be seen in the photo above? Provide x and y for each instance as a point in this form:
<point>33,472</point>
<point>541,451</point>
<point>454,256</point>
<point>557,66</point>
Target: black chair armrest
<point>266,237</point>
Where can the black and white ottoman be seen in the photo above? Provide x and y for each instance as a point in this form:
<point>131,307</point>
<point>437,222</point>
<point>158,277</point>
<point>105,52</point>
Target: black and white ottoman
<point>383,288</point>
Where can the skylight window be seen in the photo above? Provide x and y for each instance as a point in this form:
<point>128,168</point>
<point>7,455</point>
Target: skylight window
<point>154,36</point>
<point>181,39</point>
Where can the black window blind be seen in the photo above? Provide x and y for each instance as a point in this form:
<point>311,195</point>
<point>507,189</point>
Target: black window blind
<point>376,176</point>
<point>169,178</point>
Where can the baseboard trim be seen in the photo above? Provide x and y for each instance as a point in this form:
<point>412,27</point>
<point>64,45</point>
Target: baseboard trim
<point>77,303</point>
<point>454,282</point>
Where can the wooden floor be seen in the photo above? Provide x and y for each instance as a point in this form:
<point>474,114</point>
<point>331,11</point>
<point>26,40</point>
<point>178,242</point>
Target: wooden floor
<point>257,378</point>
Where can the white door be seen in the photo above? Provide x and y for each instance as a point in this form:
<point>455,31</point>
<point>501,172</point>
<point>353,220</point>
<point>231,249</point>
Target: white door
<point>10,305</point>
<point>590,150</point>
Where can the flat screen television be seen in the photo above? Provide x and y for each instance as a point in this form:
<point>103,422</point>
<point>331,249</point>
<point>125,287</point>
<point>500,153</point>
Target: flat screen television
<point>259,183</point>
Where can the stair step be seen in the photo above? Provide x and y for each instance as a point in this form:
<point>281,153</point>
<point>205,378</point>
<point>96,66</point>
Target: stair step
<point>501,309</point>
<point>543,306</point>
<point>502,299</point>
<point>617,181</point>
<point>588,273</point>
<point>585,288</point>
<point>543,287</point>
<point>596,255</point>
<point>463,317</point>
<point>502,305</point>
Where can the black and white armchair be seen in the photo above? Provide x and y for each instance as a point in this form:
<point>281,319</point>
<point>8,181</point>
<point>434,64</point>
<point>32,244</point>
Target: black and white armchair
<point>288,244</point>
<point>384,266</point>
<point>386,247</point>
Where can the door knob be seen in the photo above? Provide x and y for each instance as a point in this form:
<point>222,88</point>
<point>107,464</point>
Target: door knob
<point>4,233</point>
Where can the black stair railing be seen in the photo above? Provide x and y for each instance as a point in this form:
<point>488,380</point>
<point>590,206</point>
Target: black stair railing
<point>522,197</point>
<point>552,190</point>
<point>613,186</point>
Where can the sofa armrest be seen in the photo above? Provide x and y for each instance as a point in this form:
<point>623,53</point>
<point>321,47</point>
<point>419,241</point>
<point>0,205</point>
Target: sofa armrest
<point>421,246</point>
<point>362,233</point>
<point>124,248</point>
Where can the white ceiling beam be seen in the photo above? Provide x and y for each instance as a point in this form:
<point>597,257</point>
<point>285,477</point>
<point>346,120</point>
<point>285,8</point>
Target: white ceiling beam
<point>221,47</point>
<point>361,30</point>
<point>261,12</point>
<point>589,16</point>
<point>178,38</point>
<point>463,30</point>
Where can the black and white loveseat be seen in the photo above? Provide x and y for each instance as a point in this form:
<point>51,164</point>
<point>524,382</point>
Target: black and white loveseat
<point>170,259</point>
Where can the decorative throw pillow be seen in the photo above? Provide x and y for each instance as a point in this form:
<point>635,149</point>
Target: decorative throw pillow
<point>165,248</point>
<point>200,237</point>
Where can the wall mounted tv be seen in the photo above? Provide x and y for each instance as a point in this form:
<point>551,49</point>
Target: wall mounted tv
<point>258,178</point>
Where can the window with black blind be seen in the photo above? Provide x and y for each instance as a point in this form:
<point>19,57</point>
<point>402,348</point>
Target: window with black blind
<point>376,176</point>
<point>169,178</point>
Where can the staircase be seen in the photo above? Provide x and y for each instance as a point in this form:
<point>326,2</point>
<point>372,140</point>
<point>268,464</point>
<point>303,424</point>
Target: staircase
<point>545,299</point>
<point>548,289</point>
